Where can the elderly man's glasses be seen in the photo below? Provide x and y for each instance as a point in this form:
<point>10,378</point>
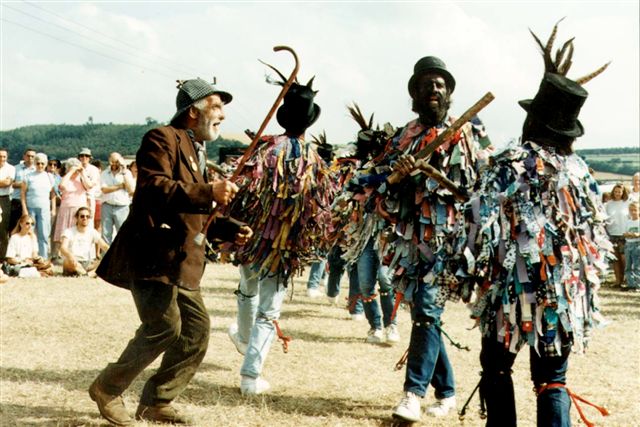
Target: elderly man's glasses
<point>40,163</point>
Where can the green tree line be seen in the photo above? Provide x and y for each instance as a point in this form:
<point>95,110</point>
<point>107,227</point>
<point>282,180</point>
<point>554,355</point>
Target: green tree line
<point>64,141</point>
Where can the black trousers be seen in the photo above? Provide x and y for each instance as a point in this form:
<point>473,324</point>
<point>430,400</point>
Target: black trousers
<point>5,205</point>
<point>16,213</point>
<point>174,322</point>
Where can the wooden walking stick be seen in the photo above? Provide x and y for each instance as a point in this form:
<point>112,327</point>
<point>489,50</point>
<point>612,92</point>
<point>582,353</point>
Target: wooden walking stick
<point>426,152</point>
<point>200,237</point>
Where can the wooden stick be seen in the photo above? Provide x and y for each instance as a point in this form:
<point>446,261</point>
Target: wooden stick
<point>445,136</point>
<point>200,237</point>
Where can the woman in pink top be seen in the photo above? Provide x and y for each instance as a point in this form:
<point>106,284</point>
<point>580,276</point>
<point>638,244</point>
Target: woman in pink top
<point>73,196</point>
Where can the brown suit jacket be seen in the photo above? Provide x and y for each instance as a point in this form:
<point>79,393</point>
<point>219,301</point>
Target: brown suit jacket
<point>169,208</point>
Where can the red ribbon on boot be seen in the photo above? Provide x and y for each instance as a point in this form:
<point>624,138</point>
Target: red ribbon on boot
<point>285,340</point>
<point>575,398</point>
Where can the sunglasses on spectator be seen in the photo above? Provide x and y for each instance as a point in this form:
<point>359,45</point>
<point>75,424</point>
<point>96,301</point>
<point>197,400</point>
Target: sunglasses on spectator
<point>40,163</point>
<point>84,216</point>
<point>28,223</point>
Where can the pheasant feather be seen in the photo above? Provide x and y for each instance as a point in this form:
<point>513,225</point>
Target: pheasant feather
<point>561,52</point>
<point>585,79</point>
<point>357,115</point>
<point>284,79</point>
<point>566,64</point>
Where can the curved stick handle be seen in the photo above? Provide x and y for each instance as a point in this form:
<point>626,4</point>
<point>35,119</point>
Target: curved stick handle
<point>200,237</point>
<point>276,104</point>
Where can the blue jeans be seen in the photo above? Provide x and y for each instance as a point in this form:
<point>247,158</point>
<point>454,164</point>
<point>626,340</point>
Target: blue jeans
<point>42,217</point>
<point>369,272</point>
<point>632,268</point>
<point>112,216</point>
<point>336,270</point>
<point>496,386</point>
<point>427,361</point>
<point>259,304</point>
<point>316,273</point>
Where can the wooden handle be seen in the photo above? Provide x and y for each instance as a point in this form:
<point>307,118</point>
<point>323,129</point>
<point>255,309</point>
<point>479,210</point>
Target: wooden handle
<point>445,136</point>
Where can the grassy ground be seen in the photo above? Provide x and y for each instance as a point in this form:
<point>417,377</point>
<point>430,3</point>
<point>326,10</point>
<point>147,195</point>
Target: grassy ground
<point>57,334</point>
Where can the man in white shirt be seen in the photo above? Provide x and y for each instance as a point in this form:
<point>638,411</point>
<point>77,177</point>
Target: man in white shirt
<point>23,169</point>
<point>78,246</point>
<point>90,179</point>
<point>117,187</point>
<point>7,173</point>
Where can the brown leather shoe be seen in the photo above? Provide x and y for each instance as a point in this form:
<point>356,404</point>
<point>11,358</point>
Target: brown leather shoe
<point>110,407</point>
<point>162,413</point>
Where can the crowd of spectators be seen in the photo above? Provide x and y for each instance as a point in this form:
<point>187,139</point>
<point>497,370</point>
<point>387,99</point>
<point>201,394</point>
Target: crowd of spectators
<point>622,205</point>
<point>67,213</point>
<point>62,213</point>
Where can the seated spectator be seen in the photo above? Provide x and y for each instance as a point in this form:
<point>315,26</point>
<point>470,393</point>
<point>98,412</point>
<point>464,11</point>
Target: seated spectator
<point>78,246</point>
<point>22,250</point>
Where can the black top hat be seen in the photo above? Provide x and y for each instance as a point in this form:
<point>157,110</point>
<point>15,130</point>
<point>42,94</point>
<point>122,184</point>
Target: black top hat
<point>298,111</point>
<point>192,91</point>
<point>434,65</point>
<point>557,105</point>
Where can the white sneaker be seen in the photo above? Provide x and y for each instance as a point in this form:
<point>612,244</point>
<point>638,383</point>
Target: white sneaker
<point>314,293</point>
<point>442,406</point>
<point>374,336</point>
<point>235,339</point>
<point>408,408</point>
<point>358,317</point>
<point>252,386</point>
<point>333,300</point>
<point>393,336</point>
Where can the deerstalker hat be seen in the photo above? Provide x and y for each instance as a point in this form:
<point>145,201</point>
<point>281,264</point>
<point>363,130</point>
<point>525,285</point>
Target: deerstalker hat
<point>192,91</point>
<point>557,105</point>
<point>434,65</point>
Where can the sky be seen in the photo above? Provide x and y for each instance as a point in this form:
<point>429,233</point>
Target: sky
<point>62,62</point>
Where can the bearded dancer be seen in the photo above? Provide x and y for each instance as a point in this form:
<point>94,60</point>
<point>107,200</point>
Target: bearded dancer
<point>422,255</point>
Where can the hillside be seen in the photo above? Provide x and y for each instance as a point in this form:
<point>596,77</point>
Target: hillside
<point>619,161</point>
<point>64,141</point>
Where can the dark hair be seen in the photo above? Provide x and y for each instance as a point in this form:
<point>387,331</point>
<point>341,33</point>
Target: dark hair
<point>83,208</point>
<point>56,162</point>
<point>28,149</point>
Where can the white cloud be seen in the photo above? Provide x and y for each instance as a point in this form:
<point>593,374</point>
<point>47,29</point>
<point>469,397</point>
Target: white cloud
<point>360,52</point>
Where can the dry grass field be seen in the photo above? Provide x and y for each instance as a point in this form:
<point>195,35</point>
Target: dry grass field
<point>57,333</point>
